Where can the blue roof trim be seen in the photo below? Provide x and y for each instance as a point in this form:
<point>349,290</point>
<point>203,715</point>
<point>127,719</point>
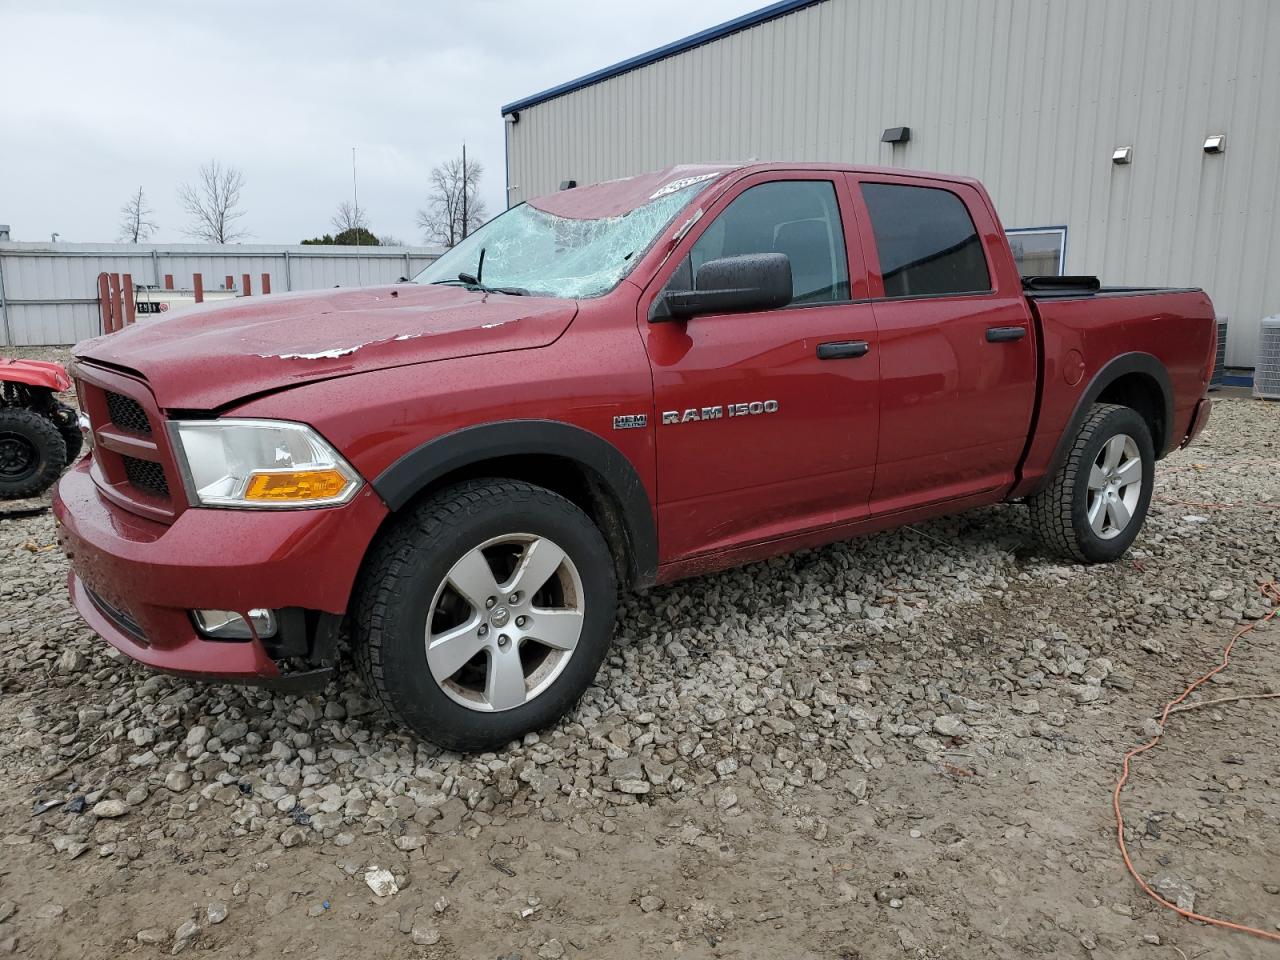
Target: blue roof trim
<point>744,22</point>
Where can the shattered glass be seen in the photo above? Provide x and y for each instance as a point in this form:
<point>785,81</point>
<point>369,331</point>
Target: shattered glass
<point>553,256</point>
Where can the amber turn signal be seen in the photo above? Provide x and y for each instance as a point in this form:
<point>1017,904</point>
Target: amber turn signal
<point>295,486</point>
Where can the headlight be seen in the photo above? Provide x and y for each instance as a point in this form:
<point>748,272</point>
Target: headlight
<point>260,463</point>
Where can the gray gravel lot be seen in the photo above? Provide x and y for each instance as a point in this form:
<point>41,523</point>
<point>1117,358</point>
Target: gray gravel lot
<point>897,746</point>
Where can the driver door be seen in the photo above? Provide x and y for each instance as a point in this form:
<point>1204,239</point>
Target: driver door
<point>766,421</point>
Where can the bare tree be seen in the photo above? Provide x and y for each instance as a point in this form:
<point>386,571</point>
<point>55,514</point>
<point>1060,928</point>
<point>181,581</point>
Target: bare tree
<point>454,208</point>
<point>349,217</point>
<point>213,203</point>
<point>135,223</point>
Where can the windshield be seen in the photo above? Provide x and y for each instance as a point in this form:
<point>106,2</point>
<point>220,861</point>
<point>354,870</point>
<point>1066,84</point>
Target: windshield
<point>535,252</point>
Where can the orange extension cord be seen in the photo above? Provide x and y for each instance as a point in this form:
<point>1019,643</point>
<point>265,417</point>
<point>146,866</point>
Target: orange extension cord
<point>1272,592</point>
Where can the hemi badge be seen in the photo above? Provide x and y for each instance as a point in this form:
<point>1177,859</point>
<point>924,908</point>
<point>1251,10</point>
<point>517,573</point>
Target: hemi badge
<point>631,421</point>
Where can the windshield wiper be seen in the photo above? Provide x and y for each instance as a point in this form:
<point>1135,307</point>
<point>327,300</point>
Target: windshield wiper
<point>468,281</point>
<point>474,282</point>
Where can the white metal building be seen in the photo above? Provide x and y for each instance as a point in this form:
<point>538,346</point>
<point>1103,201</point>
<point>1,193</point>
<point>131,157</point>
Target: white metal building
<point>1034,97</point>
<point>49,291</point>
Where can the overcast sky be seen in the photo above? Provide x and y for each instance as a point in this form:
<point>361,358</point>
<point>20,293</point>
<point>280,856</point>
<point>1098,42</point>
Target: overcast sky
<point>98,99</point>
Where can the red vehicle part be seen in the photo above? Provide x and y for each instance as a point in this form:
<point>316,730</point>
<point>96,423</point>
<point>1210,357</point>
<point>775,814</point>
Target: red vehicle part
<point>35,373</point>
<point>135,580</point>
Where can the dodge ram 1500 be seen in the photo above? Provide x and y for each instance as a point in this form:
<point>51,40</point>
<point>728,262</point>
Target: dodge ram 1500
<point>605,388</point>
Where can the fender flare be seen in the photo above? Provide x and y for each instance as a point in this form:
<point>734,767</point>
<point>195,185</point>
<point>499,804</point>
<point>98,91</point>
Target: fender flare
<point>1112,371</point>
<point>604,463</point>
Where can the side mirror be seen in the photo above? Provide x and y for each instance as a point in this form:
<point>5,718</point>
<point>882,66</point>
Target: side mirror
<point>752,281</point>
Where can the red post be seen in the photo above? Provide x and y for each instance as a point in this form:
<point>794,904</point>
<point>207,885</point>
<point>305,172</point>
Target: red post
<point>168,281</point>
<point>266,283</point>
<point>197,281</point>
<point>104,302</point>
<point>117,311</point>
<point>248,285</point>
<point>130,311</point>
<point>231,282</point>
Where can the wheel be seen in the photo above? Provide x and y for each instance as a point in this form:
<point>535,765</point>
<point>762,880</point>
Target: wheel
<point>485,612</point>
<point>1094,506</point>
<point>32,453</point>
<point>67,420</point>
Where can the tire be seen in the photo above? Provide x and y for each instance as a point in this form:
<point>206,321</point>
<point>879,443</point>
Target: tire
<point>67,420</point>
<point>428,573</point>
<point>32,453</point>
<point>1080,513</point>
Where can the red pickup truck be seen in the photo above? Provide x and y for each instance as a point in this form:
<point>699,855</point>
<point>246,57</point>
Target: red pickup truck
<point>609,387</point>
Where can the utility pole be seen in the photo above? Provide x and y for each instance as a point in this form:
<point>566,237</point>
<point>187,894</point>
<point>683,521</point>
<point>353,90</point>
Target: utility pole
<point>464,189</point>
<point>355,197</point>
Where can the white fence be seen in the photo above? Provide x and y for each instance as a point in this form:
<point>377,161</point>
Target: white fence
<point>49,291</point>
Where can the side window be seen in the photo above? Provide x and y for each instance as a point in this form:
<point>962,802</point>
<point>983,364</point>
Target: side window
<point>927,242</point>
<point>800,218</point>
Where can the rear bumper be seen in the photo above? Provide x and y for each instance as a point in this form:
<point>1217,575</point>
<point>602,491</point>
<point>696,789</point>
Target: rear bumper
<point>1199,417</point>
<point>135,580</point>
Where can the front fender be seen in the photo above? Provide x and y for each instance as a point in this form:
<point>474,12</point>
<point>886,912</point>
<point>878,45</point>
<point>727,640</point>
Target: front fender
<point>452,452</point>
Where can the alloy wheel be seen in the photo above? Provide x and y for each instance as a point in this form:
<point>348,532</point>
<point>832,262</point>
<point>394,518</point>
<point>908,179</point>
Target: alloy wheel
<point>1115,485</point>
<point>505,622</point>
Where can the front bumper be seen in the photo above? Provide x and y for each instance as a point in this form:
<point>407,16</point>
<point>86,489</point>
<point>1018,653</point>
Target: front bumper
<point>134,580</point>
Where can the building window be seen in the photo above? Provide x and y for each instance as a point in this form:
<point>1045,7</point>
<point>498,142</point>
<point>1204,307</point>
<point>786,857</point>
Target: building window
<point>927,242</point>
<point>1039,251</point>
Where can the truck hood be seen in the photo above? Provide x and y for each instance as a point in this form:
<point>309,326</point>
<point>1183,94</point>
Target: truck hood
<point>211,355</point>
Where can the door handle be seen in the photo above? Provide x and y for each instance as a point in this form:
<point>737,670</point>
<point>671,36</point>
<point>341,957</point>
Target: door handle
<point>1003,334</point>
<point>843,349</point>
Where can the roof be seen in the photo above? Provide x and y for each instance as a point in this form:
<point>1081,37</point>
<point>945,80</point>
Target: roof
<point>613,198</point>
<point>616,197</point>
<point>710,35</point>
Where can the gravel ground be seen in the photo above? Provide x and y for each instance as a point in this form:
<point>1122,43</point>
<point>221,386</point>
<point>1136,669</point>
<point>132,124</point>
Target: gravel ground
<point>898,746</point>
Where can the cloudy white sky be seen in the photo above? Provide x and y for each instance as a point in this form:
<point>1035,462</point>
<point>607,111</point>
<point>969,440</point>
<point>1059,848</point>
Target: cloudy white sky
<point>97,99</point>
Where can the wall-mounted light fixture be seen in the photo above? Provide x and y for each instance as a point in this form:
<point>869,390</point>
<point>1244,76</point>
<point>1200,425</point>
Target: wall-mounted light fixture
<point>513,117</point>
<point>1216,143</point>
<point>1122,155</point>
<point>896,135</point>
<point>568,184</point>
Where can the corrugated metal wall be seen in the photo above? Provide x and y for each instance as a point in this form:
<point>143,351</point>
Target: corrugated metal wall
<point>1031,96</point>
<point>49,292</point>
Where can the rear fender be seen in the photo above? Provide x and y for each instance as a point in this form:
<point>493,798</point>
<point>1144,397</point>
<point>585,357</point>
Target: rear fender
<point>1123,365</point>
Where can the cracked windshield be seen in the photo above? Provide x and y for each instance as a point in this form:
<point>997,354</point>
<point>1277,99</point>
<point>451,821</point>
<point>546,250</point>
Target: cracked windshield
<point>529,251</point>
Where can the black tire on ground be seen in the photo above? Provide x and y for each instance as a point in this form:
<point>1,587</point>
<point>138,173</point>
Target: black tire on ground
<point>32,453</point>
<point>1060,513</point>
<point>68,423</point>
<point>411,563</point>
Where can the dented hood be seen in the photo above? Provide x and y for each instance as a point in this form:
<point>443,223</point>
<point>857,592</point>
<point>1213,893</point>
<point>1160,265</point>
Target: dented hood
<point>212,355</point>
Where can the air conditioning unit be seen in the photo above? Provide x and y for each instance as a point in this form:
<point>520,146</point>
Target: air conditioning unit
<point>1220,359</point>
<point>1266,375</point>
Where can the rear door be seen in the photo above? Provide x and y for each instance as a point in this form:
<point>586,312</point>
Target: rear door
<point>766,421</point>
<point>957,351</point>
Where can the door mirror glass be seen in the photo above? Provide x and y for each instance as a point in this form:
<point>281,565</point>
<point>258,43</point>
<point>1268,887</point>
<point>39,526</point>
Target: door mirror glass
<point>739,284</point>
